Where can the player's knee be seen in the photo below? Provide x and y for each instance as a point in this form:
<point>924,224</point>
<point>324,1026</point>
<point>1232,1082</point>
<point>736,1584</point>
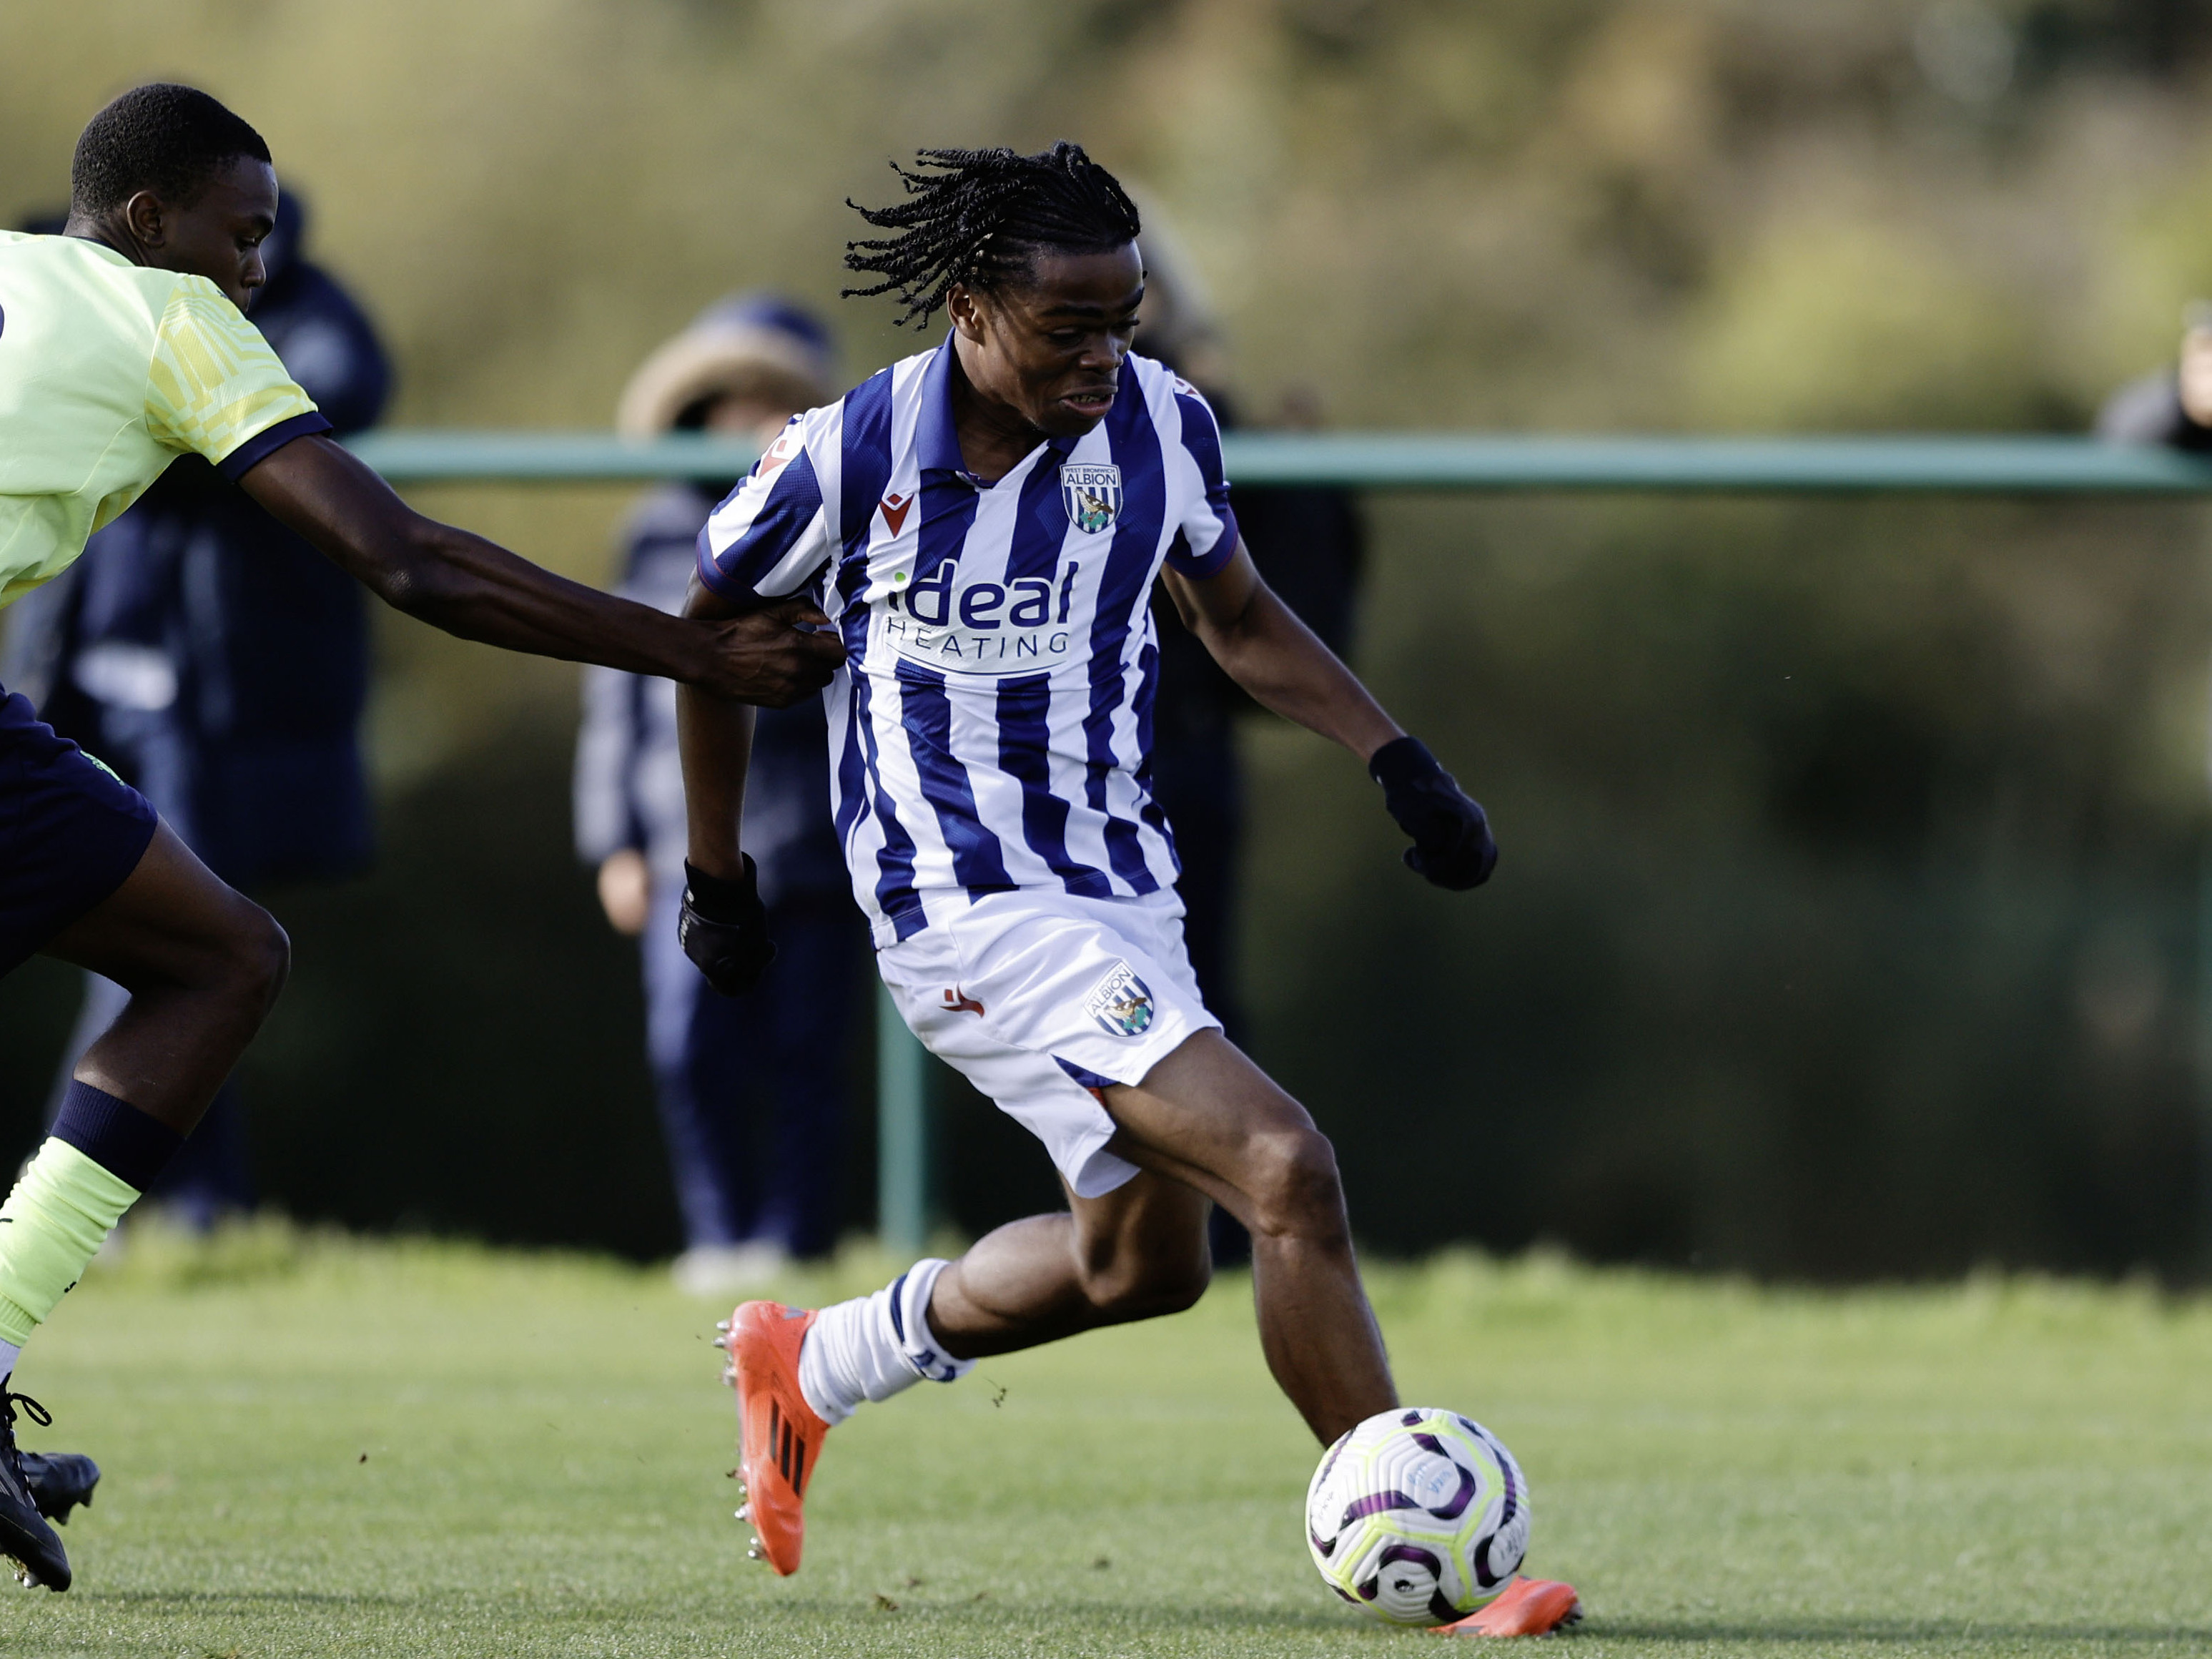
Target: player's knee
<point>1147,1287</point>
<point>1295,1187</point>
<point>1174,1286</point>
<point>257,958</point>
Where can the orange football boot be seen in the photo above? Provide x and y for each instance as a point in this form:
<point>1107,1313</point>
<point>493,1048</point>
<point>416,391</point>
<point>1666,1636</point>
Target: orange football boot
<point>780,1438</point>
<point>1530,1606</point>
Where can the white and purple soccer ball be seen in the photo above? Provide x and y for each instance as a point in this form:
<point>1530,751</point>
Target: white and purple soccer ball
<point>1421,1516</point>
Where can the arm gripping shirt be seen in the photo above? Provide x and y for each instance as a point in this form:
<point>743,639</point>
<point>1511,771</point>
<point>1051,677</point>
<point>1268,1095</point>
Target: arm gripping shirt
<point>108,372</point>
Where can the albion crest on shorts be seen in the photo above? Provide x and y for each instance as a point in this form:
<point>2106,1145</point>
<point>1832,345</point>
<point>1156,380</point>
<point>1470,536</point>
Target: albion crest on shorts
<point>1121,1003</point>
<point>1091,492</point>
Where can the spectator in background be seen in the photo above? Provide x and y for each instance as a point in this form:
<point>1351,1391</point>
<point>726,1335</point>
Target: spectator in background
<point>221,665</point>
<point>2171,406</point>
<point>1309,544</point>
<point>755,1187</point>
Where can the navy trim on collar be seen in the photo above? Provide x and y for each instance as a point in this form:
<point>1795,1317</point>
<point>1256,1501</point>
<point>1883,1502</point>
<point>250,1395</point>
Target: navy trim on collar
<point>937,438</point>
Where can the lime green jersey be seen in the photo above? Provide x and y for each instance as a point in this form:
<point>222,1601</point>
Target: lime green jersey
<point>108,372</point>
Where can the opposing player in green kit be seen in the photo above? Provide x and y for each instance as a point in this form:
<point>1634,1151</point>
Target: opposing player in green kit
<point>123,345</point>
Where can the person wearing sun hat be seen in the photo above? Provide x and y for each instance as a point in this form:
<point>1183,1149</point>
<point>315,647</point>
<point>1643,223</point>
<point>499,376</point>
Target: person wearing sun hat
<point>748,363</point>
<point>750,1096</point>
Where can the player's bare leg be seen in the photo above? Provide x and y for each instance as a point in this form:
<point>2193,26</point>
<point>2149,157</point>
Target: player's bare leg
<point>1208,1116</point>
<point>203,964</point>
<point>1205,1121</point>
<point>1136,1253</point>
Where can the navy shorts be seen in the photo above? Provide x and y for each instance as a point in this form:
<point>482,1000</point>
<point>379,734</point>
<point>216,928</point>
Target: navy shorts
<point>69,831</point>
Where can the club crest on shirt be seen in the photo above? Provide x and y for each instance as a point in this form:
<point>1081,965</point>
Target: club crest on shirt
<point>1091,492</point>
<point>1121,1003</point>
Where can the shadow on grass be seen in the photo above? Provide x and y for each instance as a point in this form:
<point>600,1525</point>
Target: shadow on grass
<point>1885,1632</point>
<point>1071,1614</point>
<point>1096,1618</point>
<point>206,1600</point>
<point>908,1606</point>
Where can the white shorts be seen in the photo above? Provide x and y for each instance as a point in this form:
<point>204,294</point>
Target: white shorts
<point>1040,999</point>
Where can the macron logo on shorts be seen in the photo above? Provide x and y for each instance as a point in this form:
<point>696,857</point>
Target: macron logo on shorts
<point>1121,1003</point>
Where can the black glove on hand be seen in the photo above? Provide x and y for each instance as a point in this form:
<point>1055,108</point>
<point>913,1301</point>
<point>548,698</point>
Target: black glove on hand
<point>1452,844</point>
<point>723,929</point>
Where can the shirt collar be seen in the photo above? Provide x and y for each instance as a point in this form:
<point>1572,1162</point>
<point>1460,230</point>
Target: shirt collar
<point>937,440</point>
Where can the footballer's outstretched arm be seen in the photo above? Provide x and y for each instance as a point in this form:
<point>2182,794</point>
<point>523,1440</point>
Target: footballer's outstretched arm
<point>478,590</point>
<point>1263,647</point>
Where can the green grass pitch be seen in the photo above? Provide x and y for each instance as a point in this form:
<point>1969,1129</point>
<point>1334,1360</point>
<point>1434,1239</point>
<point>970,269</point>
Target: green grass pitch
<point>335,1448</point>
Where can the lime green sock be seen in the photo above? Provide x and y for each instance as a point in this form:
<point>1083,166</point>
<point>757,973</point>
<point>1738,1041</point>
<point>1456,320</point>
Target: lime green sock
<point>61,1210</point>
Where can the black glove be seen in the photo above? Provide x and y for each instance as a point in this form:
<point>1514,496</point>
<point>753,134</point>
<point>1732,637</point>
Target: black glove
<point>723,929</point>
<point>1452,844</point>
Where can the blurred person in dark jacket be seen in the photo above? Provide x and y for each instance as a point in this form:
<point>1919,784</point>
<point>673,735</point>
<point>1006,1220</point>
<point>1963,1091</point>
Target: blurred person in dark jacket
<point>751,1089</point>
<point>221,665</point>
<point>2170,405</point>
<point>1309,545</point>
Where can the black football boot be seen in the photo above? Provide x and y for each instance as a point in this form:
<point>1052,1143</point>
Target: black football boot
<point>24,1534</point>
<point>59,1481</point>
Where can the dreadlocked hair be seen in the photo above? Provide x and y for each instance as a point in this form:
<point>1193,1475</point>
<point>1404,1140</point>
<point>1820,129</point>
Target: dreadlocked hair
<point>980,216</point>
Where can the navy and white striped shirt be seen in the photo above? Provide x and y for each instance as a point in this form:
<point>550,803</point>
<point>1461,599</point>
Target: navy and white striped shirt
<point>991,729</point>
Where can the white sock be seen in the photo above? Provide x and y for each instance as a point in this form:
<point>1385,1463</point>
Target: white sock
<point>9,1353</point>
<point>875,1346</point>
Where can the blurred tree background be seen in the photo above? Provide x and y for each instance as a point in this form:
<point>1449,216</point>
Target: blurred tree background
<point>1847,924</point>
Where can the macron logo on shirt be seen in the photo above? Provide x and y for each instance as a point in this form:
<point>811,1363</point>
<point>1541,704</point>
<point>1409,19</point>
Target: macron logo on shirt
<point>896,509</point>
<point>787,444</point>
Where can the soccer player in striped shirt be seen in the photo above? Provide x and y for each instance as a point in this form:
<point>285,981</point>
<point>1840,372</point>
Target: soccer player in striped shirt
<point>123,345</point>
<point>984,523</point>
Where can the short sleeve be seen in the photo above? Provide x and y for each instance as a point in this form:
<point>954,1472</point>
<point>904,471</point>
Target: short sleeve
<point>1205,538</point>
<point>773,532</point>
<point>216,388</point>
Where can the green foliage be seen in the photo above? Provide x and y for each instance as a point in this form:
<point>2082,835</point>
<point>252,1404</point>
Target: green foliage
<point>1845,921</point>
<point>1435,214</point>
<point>420,1448</point>
<point>1845,324</point>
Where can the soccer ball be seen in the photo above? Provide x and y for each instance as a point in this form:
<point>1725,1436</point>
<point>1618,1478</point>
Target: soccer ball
<point>1421,1516</point>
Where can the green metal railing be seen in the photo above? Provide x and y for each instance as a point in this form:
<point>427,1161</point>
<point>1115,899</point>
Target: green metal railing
<point>1933,465</point>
